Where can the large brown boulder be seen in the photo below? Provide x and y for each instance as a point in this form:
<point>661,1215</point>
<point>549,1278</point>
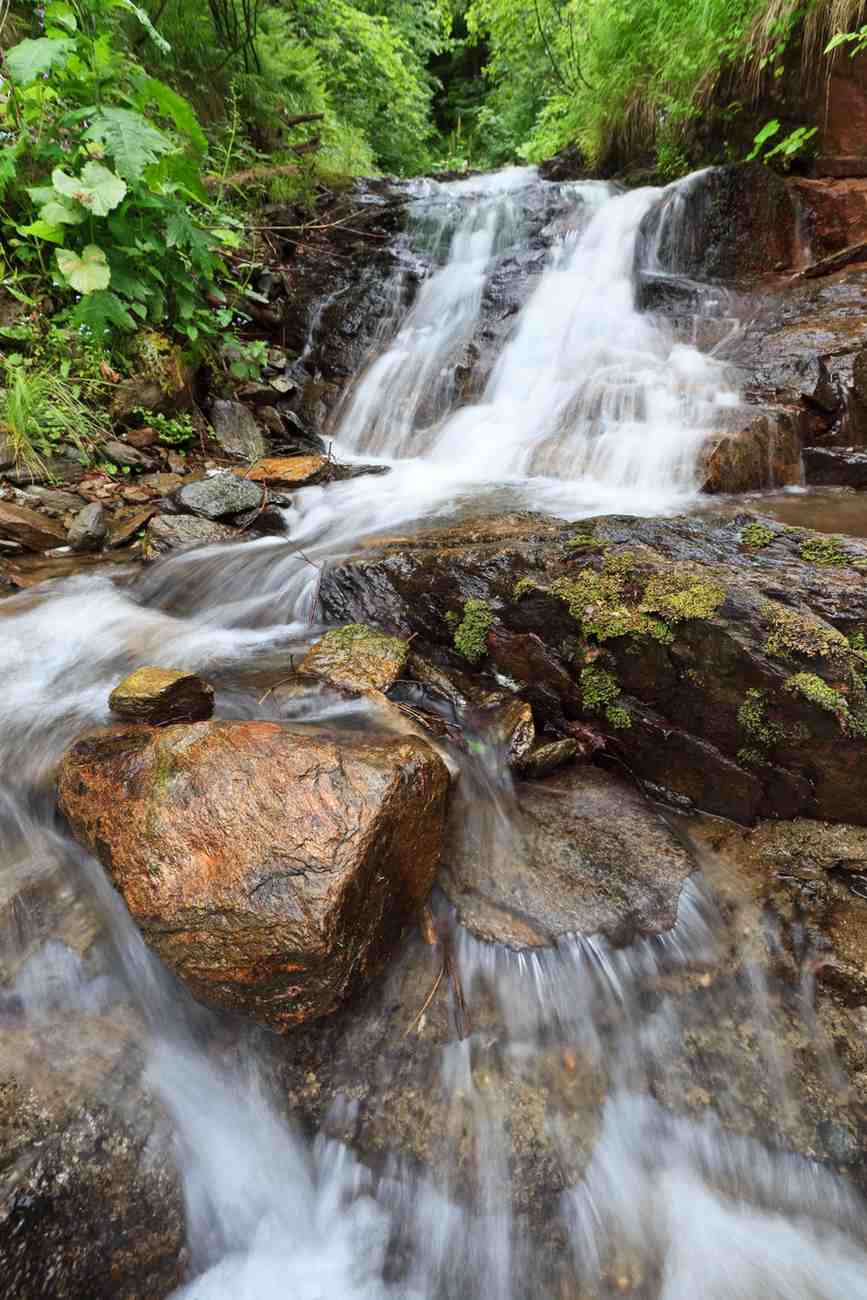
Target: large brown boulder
<point>271,869</point>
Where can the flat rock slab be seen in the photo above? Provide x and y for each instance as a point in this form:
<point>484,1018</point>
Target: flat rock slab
<point>272,869</point>
<point>589,856</point>
<point>33,531</point>
<point>290,471</point>
<point>236,430</point>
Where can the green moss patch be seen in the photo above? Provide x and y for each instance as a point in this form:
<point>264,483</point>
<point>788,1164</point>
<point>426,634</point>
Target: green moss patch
<point>600,693</point>
<point>756,536</point>
<point>823,550</point>
<point>471,635</point>
<point>791,633</point>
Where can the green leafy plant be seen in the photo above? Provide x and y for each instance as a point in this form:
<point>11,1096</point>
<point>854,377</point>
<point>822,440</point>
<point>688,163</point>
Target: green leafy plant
<point>171,430</point>
<point>40,409</point>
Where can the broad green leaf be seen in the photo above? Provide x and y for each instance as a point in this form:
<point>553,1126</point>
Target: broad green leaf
<point>158,40</point>
<point>61,211</point>
<point>130,139</point>
<point>97,189</point>
<point>42,194</point>
<point>87,273</point>
<point>52,234</point>
<point>29,60</point>
<point>175,107</point>
<point>61,15</point>
<point>100,312</point>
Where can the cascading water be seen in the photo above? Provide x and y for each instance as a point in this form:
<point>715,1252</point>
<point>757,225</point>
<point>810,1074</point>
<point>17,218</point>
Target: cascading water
<point>589,405</point>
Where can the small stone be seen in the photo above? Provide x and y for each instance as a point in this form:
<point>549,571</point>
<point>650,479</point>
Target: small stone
<point>162,484</point>
<point>167,533</point>
<point>162,695</point>
<point>52,500</point>
<point>127,457</point>
<point>236,430</point>
<point>270,417</point>
<point>88,528</point>
<point>357,659</point>
<point>219,496</point>
<point>33,531</point>
<point>513,731</point>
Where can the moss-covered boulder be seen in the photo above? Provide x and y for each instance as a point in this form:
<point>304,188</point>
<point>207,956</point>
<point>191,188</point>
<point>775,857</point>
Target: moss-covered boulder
<point>723,657</point>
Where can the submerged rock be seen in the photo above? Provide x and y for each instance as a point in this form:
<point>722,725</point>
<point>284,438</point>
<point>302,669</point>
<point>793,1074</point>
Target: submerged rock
<point>588,856</point>
<point>91,1205</point>
<point>710,651</point>
<point>356,659</point>
<point>162,695</point>
<point>272,869</point>
<point>836,466</point>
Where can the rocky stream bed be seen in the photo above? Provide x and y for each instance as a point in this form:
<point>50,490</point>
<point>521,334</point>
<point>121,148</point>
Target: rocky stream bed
<point>432,812</point>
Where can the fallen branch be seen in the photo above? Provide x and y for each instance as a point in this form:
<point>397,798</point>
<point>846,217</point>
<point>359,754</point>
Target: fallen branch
<point>252,175</point>
<point>300,118</point>
<point>835,262</point>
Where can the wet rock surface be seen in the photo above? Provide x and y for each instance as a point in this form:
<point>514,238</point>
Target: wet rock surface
<point>236,430</point>
<point>272,869</point>
<point>29,529</point>
<point>836,466</point>
<point>88,529</point>
<point>167,533</point>
<point>711,651</point>
<point>218,497</point>
<point>585,854</point>
<point>87,1171</point>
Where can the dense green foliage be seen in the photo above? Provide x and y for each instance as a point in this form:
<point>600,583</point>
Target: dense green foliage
<point>644,82</point>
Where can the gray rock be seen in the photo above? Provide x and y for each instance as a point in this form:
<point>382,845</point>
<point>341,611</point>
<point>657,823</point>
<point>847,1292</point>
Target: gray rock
<point>236,430</point>
<point>219,496</point>
<point>167,533</point>
<point>88,529</point>
<point>121,454</point>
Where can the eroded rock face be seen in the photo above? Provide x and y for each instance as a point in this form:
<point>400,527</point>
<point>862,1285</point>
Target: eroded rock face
<point>272,869</point>
<point>730,224</point>
<point>711,651</point>
<point>162,695</point>
<point>588,856</point>
<point>765,453</point>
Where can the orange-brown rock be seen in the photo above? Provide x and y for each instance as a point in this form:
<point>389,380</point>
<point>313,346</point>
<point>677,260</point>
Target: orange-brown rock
<point>767,453</point>
<point>289,471</point>
<point>272,869</point>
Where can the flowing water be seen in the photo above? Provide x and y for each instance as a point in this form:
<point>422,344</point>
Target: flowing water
<point>578,405</point>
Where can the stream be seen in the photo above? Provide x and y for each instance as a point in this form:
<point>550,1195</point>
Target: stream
<point>581,405</point>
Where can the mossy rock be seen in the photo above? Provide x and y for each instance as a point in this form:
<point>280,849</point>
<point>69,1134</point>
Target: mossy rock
<point>356,659</point>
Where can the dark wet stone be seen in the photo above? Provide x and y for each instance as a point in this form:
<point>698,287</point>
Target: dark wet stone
<point>167,533</point>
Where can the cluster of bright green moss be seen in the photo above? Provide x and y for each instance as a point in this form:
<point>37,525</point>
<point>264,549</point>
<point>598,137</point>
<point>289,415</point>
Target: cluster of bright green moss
<point>600,693</point>
<point>523,587</point>
<point>471,634</point>
<point>791,633</point>
<point>753,719</point>
<point>756,536</point>
<point>851,714</point>
<point>584,542</point>
<point>826,551</point>
<point>620,600</point>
